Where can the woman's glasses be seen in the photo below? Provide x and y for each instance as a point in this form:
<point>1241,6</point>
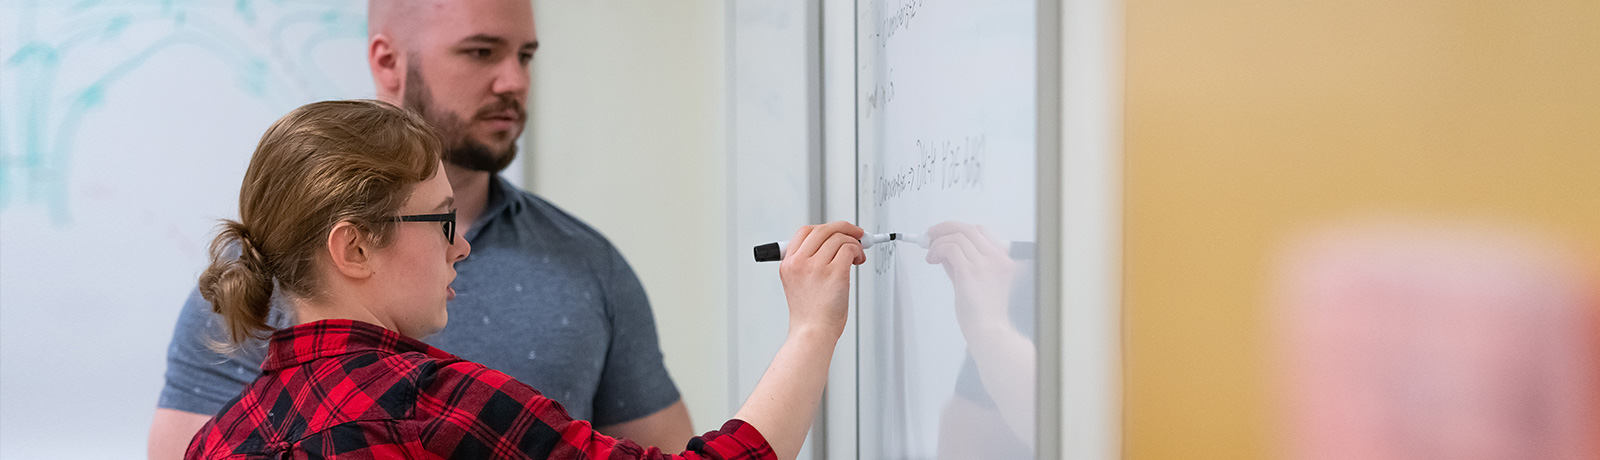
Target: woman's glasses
<point>449,220</point>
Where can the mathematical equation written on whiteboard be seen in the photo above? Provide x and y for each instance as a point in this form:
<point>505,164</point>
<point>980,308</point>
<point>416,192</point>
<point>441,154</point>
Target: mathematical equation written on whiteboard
<point>880,96</point>
<point>941,165</point>
<point>893,21</point>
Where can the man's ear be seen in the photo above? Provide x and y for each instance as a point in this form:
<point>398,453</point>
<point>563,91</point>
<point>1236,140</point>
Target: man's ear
<point>388,66</point>
<point>349,249</point>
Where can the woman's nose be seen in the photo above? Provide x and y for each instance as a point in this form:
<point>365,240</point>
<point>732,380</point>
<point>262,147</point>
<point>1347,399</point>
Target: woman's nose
<point>465,249</point>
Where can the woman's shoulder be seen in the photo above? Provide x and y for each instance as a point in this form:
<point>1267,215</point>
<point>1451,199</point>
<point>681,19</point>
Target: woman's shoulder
<point>388,380</point>
<point>466,387</point>
<point>460,375</point>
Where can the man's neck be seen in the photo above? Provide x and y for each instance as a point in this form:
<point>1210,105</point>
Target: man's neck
<point>472,194</point>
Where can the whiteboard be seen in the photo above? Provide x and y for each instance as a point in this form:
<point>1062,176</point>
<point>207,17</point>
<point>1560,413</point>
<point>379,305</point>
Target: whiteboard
<point>772,123</point>
<point>771,172</point>
<point>125,134</point>
<point>125,131</point>
<point>947,102</point>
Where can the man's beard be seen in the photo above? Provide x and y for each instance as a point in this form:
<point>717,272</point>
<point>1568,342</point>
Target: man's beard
<point>460,148</point>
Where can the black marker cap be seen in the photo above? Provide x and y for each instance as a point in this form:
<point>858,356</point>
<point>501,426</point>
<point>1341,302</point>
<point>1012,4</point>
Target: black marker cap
<point>768,253</point>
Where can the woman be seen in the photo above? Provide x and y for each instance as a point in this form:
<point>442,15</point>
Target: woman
<point>344,208</point>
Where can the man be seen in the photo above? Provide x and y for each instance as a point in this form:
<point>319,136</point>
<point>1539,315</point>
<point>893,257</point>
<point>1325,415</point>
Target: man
<point>543,297</point>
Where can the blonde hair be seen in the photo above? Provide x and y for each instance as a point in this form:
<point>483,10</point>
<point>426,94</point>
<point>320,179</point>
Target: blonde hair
<point>324,163</point>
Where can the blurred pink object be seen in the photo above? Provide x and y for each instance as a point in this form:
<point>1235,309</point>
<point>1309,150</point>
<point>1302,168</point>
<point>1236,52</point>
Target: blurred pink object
<point>1431,341</point>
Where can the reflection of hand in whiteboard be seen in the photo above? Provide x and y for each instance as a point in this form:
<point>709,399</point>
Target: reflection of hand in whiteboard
<point>982,269</point>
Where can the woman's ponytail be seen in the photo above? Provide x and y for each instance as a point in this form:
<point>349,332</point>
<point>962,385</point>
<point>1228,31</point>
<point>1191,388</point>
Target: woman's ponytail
<point>239,288</point>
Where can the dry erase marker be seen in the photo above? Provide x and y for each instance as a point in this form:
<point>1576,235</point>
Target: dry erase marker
<point>772,252</point>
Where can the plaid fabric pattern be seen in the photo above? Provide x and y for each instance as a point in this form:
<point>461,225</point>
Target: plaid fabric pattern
<point>350,390</point>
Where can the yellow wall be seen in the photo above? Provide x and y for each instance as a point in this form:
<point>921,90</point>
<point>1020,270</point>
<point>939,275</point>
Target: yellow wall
<point>1249,120</point>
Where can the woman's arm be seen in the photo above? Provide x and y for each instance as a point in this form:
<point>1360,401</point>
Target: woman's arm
<point>816,281</point>
<point>473,410</point>
<point>171,432</point>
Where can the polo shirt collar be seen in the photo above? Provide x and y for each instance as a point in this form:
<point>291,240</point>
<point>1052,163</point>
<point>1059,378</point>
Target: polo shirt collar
<point>499,200</point>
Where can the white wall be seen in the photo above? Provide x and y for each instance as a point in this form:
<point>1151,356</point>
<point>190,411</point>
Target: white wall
<point>627,132</point>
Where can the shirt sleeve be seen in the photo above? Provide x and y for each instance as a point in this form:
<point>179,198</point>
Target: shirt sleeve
<point>471,411</point>
<point>198,379</point>
<point>635,382</point>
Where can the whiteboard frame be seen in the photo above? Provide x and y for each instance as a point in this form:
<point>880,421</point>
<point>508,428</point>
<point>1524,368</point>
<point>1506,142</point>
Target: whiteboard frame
<point>1048,211</point>
<point>837,33</point>
<point>1079,225</point>
<point>775,136</point>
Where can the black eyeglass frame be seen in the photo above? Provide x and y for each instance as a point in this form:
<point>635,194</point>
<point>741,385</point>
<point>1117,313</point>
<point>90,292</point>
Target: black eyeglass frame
<point>448,219</point>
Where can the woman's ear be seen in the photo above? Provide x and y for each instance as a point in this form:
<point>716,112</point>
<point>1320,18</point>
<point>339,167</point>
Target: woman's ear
<point>348,248</point>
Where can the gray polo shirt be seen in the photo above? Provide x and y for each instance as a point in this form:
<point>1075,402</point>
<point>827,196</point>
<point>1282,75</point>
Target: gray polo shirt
<point>543,298</point>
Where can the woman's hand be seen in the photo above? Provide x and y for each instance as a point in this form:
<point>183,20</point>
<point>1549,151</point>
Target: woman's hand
<point>816,276</point>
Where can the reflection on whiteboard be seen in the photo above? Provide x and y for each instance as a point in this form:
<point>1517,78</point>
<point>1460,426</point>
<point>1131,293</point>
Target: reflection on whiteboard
<point>125,130</point>
<point>947,152</point>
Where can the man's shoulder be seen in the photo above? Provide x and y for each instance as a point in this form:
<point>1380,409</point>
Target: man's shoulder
<point>529,212</point>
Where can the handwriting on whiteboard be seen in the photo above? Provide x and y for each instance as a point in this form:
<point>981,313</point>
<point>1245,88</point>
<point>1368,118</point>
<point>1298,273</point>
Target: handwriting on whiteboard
<point>941,165</point>
<point>880,95</point>
<point>894,21</point>
<point>882,258</point>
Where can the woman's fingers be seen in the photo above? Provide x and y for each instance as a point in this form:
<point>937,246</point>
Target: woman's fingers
<point>816,274</point>
<point>810,240</point>
<point>795,241</point>
<point>845,249</point>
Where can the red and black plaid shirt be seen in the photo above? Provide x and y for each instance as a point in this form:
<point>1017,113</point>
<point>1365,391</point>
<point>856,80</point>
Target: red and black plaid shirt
<point>351,390</point>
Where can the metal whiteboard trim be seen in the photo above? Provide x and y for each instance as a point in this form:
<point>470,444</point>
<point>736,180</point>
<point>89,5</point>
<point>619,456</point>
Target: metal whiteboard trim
<point>816,180</point>
<point>730,138</point>
<point>1048,306</point>
<point>837,41</point>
